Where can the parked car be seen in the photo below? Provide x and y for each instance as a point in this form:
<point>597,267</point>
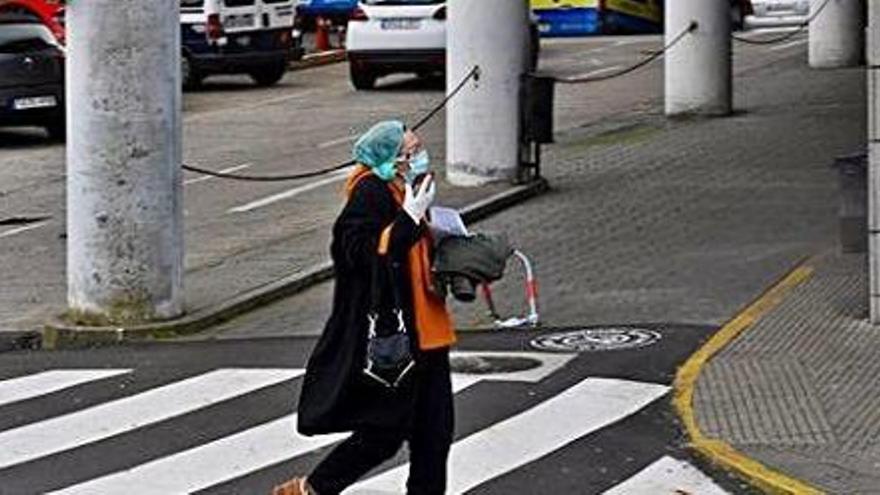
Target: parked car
<point>772,13</point>
<point>31,75</point>
<point>50,13</point>
<point>402,36</point>
<point>253,37</point>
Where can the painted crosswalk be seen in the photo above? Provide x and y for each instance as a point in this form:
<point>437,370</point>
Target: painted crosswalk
<point>577,411</point>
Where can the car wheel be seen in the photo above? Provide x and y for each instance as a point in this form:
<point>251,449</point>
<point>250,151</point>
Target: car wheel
<point>57,130</point>
<point>362,79</point>
<point>269,75</point>
<point>189,76</point>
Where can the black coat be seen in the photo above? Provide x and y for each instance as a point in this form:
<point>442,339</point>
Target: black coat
<point>336,395</point>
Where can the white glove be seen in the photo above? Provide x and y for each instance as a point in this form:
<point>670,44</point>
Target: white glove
<point>415,204</point>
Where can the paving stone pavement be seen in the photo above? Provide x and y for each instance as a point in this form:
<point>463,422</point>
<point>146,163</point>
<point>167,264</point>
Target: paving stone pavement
<point>652,221</point>
<point>798,391</point>
<point>657,221</point>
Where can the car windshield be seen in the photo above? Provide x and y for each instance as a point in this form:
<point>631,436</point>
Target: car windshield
<point>404,2</point>
<point>17,38</point>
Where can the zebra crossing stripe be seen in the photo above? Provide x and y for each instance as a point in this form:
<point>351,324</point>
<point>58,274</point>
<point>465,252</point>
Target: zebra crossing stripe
<point>667,475</point>
<point>222,460</point>
<point>120,416</point>
<point>47,382</point>
<point>580,410</point>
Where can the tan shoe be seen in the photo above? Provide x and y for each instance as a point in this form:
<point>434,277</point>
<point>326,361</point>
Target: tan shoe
<point>296,486</point>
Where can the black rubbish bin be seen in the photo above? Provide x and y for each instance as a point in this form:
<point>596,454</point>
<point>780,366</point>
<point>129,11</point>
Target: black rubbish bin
<point>852,173</point>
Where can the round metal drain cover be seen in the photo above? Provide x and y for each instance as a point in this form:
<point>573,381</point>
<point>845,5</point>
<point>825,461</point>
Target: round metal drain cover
<point>484,365</point>
<point>597,339</point>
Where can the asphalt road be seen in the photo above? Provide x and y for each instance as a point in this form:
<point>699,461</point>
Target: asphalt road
<point>215,418</point>
<point>306,122</point>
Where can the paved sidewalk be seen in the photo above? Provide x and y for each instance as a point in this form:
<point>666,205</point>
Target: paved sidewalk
<point>798,391</point>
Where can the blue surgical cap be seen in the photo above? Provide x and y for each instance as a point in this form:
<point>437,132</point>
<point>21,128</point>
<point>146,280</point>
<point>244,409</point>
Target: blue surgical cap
<point>378,147</point>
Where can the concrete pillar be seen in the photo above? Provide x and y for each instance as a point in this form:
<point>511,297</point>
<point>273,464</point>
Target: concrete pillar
<point>837,34</point>
<point>124,192</point>
<point>873,53</point>
<point>483,120</point>
<point>698,68</point>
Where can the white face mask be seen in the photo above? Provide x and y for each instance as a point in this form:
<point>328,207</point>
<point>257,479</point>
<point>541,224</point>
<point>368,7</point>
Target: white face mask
<point>418,165</point>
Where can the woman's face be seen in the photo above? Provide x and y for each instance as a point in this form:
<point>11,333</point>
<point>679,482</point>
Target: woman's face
<point>412,144</point>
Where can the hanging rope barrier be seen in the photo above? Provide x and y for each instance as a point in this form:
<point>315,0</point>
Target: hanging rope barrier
<point>474,74</point>
<point>654,56</point>
<point>786,36</point>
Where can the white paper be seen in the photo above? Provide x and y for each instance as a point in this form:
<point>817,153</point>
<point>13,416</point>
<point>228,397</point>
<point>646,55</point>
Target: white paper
<point>447,221</point>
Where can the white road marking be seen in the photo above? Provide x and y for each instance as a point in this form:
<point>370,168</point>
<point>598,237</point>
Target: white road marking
<point>787,45</point>
<point>336,142</point>
<point>582,409</point>
<point>249,106</point>
<point>47,382</point>
<point>224,171</point>
<point>296,191</point>
<point>550,363</point>
<point>597,72</point>
<point>123,415</point>
<point>667,476</point>
<point>26,228</point>
<point>221,460</point>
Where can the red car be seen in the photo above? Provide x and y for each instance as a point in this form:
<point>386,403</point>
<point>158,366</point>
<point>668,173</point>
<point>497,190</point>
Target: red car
<point>50,13</point>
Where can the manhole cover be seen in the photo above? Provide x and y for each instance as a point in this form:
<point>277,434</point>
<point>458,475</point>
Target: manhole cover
<point>597,339</point>
<point>483,365</point>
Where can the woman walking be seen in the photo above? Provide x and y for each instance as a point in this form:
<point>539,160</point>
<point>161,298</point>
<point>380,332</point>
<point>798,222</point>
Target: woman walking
<point>381,252</point>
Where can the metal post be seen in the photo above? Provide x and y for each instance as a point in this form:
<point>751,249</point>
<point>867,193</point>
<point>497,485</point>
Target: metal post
<point>124,192</point>
<point>873,52</point>
<point>837,34</point>
<point>698,68</point>
<point>483,120</point>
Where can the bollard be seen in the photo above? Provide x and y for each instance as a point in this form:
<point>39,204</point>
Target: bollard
<point>483,120</point>
<point>698,69</point>
<point>124,187</point>
<point>837,34</point>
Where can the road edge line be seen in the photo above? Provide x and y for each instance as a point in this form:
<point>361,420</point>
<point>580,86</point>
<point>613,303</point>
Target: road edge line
<point>718,451</point>
<point>58,334</point>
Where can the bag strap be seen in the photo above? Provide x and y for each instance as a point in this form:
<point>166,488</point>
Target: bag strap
<point>375,286</point>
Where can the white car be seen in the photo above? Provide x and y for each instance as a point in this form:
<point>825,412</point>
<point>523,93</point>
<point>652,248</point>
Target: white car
<point>773,13</point>
<point>388,36</point>
<point>391,36</point>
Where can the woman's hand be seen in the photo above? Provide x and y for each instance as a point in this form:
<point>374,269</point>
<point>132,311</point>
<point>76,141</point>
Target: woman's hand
<point>416,204</point>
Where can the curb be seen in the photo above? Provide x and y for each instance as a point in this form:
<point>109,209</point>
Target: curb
<point>318,59</point>
<point>59,335</point>
<point>719,451</point>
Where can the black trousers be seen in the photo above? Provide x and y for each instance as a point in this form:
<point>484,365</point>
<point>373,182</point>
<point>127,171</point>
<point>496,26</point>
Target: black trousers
<point>429,438</point>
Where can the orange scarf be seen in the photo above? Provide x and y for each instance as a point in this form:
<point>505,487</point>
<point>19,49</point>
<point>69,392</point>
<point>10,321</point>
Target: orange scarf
<point>433,323</point>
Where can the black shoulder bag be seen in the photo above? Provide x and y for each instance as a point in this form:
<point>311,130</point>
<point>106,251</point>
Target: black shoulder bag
<point>389,355</point>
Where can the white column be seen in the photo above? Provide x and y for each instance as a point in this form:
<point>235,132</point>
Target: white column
<point>837,36</point>
<point>698,68</point>
<point>483,120</point>
<point>873,53</point>
<point>124,192</point>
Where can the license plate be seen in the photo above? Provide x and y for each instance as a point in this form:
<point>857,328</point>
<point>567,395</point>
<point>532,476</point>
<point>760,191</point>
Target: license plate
<point>243,40</point>
<point>34,102</point>
<point>401,23</point>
